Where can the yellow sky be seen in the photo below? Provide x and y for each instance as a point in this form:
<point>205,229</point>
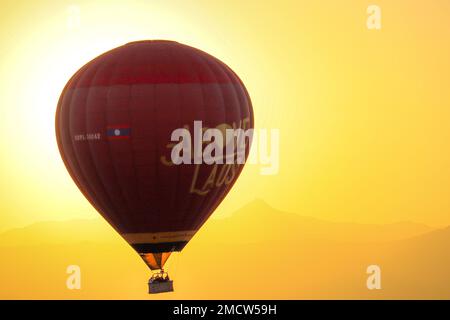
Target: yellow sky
<point>363,115</point>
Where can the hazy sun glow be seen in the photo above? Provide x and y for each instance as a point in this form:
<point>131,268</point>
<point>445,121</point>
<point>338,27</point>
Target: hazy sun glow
<point>363,115</point>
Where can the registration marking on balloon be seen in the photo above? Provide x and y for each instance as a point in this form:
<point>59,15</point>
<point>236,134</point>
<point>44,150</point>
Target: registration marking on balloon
<point>87,136</point>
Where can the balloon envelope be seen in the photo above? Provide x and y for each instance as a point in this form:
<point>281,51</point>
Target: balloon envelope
<point>114,122</point>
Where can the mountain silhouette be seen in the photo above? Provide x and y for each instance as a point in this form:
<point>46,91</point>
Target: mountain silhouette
<point>255,223</point>
<point>258,252</point>
<point>60,232</point>
<point>259,222</point>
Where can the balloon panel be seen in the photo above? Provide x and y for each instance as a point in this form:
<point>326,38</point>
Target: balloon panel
<point>155,261</point>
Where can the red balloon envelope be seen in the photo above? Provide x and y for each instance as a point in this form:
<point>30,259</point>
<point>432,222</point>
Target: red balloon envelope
<point>114,123</point>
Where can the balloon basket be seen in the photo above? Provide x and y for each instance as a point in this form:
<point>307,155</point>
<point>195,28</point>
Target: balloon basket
<point>160,287</point>
<point>159,283</point>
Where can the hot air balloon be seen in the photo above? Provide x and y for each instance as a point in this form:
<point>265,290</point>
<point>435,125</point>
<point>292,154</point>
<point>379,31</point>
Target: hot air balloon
<point>114,122</point>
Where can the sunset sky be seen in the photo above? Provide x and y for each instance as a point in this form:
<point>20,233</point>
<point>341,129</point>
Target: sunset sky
<point>363,114</point>
<point>363,117</point>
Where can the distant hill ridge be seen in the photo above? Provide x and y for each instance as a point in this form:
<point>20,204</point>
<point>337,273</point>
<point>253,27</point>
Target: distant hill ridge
<point>256,222</point>
<point>320,259</point>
